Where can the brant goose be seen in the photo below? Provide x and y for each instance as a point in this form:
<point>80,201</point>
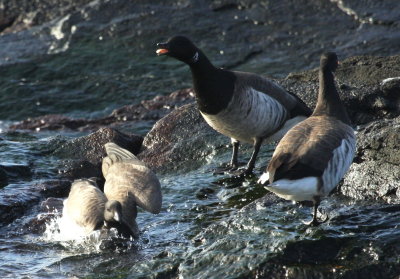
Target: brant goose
<point>131,183</point>
<point>243,106</point>
<point>88,208</point>
<point>314,155</point>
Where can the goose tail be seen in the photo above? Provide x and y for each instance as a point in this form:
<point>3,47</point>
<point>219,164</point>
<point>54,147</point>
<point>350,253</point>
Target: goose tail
<point>115,154</point>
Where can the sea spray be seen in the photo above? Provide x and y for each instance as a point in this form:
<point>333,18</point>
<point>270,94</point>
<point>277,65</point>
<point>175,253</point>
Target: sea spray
<point>72,237</point>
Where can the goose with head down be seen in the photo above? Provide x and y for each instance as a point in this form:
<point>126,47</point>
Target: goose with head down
<point>243,106</point>
<point>87,209</point>
<point>131,183</point>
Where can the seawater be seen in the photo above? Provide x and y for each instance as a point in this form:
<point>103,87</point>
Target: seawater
<point>202,237</point>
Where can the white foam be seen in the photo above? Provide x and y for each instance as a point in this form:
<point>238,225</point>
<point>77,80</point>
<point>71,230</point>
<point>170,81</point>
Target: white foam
<point>73,237</point>
<point>57,29</point>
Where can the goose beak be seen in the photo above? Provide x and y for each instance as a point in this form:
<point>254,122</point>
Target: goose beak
<point>162,49</point>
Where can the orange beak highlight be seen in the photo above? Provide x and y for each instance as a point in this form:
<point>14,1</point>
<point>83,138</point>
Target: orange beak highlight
<point>161,51</point>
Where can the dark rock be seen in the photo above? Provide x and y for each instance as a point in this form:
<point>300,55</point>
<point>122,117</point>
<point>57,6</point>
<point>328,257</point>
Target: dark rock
<point>180,141</point>
<point>38,224</point>
<point>83,155</point>
<point>153,109</point>
<point>54,188</point>
<point>49,122</point>
<point>17,172</point>
<point>305,251</point>
<point>51,205</point>
<point>11,173</point>
<point>375,173</point>
<point>16,15</point>
<point>91,147</point>
<point>360,82</point>
<point>15,204</point>
<point>3,178</point>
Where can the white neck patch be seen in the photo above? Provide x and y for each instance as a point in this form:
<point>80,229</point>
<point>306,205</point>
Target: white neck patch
<point>195,57</point>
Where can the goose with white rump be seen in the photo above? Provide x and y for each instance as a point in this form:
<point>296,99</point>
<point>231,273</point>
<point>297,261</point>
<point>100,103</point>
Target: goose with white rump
<point>243,106</point>
<point>314,155</point>
<point>131,183</point>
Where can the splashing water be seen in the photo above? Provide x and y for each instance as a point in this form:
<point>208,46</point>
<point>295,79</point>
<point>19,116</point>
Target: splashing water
<point>73,237</point>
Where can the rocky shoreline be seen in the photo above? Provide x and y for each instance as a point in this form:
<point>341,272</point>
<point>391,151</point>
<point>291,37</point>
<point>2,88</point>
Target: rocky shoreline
<point>181,140</point>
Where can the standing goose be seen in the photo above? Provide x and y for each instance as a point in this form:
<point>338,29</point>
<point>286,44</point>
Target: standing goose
<point>131,183</point>
<point>87,208</point>
<point>243,106</point>
<point>314,155</point>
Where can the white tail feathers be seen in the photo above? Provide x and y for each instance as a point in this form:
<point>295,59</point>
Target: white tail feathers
<point>264,178</point>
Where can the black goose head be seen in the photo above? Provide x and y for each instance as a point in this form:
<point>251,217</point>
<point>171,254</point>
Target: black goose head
<point>113,212</point>
<point>180,48</point>
<point>329,61</point>
<point>113,218</point>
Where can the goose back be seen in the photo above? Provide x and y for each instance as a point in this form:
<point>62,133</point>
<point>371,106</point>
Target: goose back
<point>85,205</point>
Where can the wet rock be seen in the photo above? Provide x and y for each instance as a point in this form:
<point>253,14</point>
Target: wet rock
<point>16,15</point>
<point>49,122</point>
<point>153,109</point>
<point>51,205</point>
<point>375,173</point>
<point>37,224</point>
<point>3,178</point>
<point>180,141</point>
<point>17,172</point>
<point>361,85</point>
<point>304,251</point>
<point>83,156</point>
<point>14,204</point>
<point>54,187</point>
<point>12,173</point>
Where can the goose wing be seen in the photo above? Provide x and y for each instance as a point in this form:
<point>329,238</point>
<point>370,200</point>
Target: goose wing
<point>128,178</point>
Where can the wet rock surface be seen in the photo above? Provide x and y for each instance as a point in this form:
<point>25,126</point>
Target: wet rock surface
<point>363,87</point>
<point>16,15</point>
<point>153,110</point>
<point>83,155</point>
<point>180,141</point>
<point>375,173</point>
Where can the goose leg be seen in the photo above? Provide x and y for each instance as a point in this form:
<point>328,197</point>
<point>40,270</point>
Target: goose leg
<point>234,160</point>
<point>253,158</point>
<point>233,164</point>
<point>250,165</point>
<point>314,221</point>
